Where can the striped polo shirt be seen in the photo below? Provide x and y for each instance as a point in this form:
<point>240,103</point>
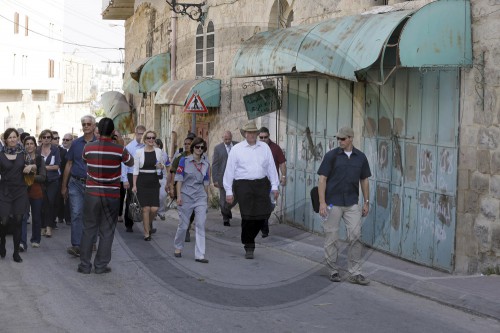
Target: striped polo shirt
<point>104,159</point>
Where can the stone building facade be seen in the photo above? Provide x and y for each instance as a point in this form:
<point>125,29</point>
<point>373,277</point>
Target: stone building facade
<point>465,206</point>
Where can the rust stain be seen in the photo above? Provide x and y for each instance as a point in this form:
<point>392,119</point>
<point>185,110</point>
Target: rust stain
<point>382,196</point>
<point>411,163</point>
<point>396,212</point>
<point>384,127</point>
<point>443,210</point>
<point>425,200</point>
<point>398,126</point>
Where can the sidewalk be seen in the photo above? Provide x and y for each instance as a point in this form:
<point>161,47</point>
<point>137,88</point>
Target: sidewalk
<point>476,294</point>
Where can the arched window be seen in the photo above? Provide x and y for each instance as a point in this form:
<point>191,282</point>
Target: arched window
<point>205,50</point>
<point>199,50</point>
<point>210,49</point>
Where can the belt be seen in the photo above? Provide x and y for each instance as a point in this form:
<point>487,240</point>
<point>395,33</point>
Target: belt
<point>81,180</point>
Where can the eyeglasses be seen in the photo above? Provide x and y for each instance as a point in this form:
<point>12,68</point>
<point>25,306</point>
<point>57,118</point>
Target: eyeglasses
<point>199,146</point>
<point>341,139</point>
<point>150,137</point>
<point>56,138</point>
<point>86,124</point>
<point>139,133</point>
<point>46,137</point>
<point>67,139</point>
<point>263,137</point>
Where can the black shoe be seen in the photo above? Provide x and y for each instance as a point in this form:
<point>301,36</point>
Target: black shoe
<point>227,224</point>
<point>152,231</point>
<point>147,239</point>
<point>177,254</point>
<point>335,277</point>
<point>103,270</point>
<point>17,257</point>
<point>3,252</point>
<point>74,251</point>
<point>83,271</point>
<point>22,247</point>
<point>188,237</point>
<point>129,229</point>
<point>265,235</point>
<point>248,253</point>
<point>204,261</point>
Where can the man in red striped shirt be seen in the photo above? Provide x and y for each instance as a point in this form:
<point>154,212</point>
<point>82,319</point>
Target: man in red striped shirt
<point>102,196</point>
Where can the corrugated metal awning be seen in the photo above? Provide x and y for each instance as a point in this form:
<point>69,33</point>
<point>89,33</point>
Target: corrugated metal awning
<point>117,107</point>
<point>177,92</point>
<point>154,73</point>
<point>130,86</point>
<point>346,47</point>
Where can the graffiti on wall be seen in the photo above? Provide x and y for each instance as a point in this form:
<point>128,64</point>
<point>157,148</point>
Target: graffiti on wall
<point>426,168</point>
<point>309,150</point>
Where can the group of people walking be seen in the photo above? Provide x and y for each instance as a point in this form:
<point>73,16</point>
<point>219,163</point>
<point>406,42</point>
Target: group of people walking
<point>94,173</point>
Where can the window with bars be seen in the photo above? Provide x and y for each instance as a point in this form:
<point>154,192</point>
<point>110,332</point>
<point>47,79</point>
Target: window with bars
<point>205,50</point>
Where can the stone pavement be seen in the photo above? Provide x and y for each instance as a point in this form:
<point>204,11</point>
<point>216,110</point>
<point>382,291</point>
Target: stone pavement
<point>477,294</point>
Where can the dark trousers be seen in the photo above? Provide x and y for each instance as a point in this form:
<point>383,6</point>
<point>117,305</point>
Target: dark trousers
<point>249,230</point>
<point>15,224</point>
<point>101,215</point>
<point>128,222</point>
<point>49,203</point>
<point>122,198</point>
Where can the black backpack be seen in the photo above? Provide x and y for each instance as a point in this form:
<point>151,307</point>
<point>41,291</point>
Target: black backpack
<point>314,191</point>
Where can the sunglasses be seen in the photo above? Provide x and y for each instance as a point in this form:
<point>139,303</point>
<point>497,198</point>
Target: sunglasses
<point>150,137</point>
<point>86,124</point>
<point>46,137</point>
<point>263,137</point>
<point>67,139</point>
<point>56,138</point>
<point>199,146</point>
<point>341,139</point>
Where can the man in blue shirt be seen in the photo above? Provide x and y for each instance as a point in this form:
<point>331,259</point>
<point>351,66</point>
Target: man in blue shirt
<point>74,178</point>
<point>341,172</point>
<point>127,172</point>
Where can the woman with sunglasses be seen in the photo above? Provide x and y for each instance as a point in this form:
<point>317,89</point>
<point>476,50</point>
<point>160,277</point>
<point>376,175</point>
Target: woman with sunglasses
<point>146,184</point>
<point>35,194</point>
<point>192,195</point>
<point>13,189</point>
<point>52,157</point>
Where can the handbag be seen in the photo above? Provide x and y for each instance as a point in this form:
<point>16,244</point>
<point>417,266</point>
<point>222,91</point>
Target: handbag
<point>135,209</point>
<point>29,179</point>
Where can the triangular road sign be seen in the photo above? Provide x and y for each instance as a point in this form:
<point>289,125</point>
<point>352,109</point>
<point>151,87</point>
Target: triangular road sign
<point>195,105</point>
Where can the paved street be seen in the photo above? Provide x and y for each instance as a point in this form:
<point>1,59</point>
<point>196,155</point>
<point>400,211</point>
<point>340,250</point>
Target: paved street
<point>149,290</point>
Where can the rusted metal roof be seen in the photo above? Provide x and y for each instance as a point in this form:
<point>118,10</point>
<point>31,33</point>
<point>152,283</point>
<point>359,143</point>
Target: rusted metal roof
<point>117,107</point>
<point>346,46</point>
<point>136,67</point>
<point>154,73</point>
<point>177,92</point>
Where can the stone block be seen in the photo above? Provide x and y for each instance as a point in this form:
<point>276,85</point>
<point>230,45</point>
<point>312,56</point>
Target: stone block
<point>482,232</point>
<point>463,179</point>
<point>471,202</point>
<point>495,186</point>
<point>480,182</point>
<point>495,162</point>
<point>488,138</point>
<point>467,158</point>
<point>483,161</point>
<point>495,239</point>
<point>489,208</point>
<point>483,118</point>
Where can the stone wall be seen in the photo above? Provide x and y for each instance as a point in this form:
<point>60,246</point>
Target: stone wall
<point>478,220</point>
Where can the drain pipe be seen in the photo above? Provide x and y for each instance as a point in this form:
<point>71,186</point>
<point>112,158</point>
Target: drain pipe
<point>173,71</point>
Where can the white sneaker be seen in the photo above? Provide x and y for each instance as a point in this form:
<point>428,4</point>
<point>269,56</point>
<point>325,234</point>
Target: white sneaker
<point>35,245</point>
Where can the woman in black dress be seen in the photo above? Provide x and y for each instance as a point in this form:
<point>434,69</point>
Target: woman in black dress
<point>13,189</point>
<point>146,183</point>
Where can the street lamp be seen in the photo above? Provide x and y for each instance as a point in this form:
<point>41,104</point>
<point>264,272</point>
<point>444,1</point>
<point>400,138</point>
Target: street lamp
<point>195,11</point>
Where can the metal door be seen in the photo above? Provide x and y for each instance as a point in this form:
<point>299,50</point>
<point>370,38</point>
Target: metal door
<point>410,139</point>
<point>316,108</point>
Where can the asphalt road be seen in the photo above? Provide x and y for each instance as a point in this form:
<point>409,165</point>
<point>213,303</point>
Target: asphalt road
<point>152,291</point>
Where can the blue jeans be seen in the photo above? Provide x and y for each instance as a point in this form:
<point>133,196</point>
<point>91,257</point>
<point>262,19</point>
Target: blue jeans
<point>76,191</point>
<point>36,222</point>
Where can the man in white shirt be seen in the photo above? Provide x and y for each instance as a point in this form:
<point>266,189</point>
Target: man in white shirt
<point>250,176</point>
<point>127,171</point>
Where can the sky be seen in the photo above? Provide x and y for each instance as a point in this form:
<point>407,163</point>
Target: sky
<point>84,25</point>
